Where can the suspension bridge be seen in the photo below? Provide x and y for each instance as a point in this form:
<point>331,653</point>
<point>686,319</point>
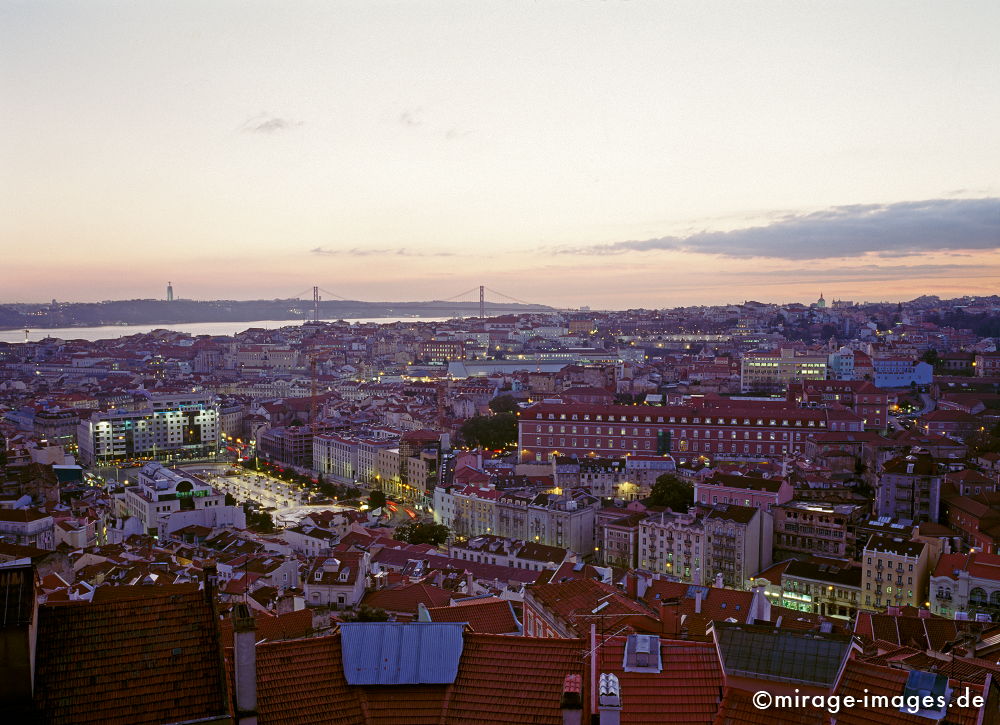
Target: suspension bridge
<point>481,300</point>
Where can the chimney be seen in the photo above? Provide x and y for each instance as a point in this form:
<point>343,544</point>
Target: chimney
<point>760,605</point>
<point>632,585</point>
<point>610,700</point>
<point>245,657</point>
<point>571,701</point>
<point>697,601</point>
<point>211,582</point>
<point>468,583</point>
<point>670,620</point>
<point>643,583</point>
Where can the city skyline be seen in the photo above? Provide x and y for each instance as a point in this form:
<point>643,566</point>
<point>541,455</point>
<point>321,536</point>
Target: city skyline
<point>611,155</point>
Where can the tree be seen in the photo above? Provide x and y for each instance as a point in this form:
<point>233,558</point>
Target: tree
<point>230,499</point>
<point>931,357</point>
<point>260,521</point>
<point>490,431</point>
<point>421,533</point>
<point>376,500</point>
<point>504,404</point>
<point>672,492</point>
<point>366,613</point>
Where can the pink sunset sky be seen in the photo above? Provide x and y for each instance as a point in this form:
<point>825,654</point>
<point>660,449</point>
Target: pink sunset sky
<point>634,154</point>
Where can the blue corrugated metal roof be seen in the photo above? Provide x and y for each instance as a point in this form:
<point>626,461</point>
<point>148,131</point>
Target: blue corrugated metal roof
<point>398,653</point>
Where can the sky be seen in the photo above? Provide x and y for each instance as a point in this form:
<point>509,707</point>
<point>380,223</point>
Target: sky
<point>610,154</point>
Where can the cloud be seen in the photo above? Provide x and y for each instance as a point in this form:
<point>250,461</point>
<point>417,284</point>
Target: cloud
<point>385,252</point>
<point>265,123</point>
<point>884,230</point>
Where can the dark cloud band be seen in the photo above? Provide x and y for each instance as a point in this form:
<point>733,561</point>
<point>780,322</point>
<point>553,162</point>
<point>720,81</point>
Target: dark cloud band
<point>886,230</point>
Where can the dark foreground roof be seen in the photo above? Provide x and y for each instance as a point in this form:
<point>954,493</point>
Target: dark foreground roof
<point>154,660</point>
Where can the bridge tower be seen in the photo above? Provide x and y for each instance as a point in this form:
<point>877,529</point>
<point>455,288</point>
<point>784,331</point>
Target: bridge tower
<point>482,302</point>
<point>316,299</point>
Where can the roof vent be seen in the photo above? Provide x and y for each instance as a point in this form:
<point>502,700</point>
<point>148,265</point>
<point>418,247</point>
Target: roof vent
<point>642,653</point>
<point>926,687</point>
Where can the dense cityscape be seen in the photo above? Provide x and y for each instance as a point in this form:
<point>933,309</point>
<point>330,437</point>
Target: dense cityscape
<point>507,362</point>
<point>548,515</point>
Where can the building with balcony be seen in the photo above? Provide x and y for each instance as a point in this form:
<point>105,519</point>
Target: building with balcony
<point>896,571</point>
<point>909,487</point>
<point>828,587</point>
<point>805,528</point>
<point>966,586</point>
<point>27,527</point>
<point>564,520</point>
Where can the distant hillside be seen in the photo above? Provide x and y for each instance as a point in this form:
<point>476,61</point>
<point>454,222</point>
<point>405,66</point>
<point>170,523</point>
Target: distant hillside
<point>157,312</point>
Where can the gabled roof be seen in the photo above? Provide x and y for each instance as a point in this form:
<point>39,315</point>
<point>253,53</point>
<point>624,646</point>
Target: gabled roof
<point>149,660</point>
<point>490,616</point>
<point>686,690</point>
<point>500,680</point>
<point>572,600</point>
<point>406,598</point>
<point>861,678</point>
<point>716,604</point>
<point>272,627</point>
<point>737,708</point>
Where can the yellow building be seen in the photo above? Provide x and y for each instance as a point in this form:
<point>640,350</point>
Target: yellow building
<point>896,572</point>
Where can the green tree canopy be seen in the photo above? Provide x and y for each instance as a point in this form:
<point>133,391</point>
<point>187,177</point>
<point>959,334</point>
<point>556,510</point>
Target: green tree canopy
<point>376,500</point>
<point>490,431</point>
<point>421,533</point>
<point>365,613</point>
<point>673,492</point>
<point>504,404</point>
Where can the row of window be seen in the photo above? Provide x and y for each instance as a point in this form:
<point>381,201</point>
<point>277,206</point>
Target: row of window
<point>680,419</point>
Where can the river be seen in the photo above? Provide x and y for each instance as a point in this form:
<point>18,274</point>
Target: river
<point>108,332</point>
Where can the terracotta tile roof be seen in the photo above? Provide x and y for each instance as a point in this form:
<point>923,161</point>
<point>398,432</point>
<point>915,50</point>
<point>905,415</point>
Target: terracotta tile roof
<point>737,709</point>
<point>405,598</point>
<point>862,678</point>
<point>151,660</point>
<point>500,680</point>
<point>512,679</point>
<point>303,681</point>
<point>495,616</point>
<point>717,604</point>
<point>581,596</point>
<point>109,593</point>
<point>686,690</point>
<point>272,627</point>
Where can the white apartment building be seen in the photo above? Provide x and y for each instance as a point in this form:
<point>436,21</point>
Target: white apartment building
<point>162,491</point>
<point>184,425</point>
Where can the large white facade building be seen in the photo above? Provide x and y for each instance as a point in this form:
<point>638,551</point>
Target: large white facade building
<point>162,491</point>
<point>184,425</point>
